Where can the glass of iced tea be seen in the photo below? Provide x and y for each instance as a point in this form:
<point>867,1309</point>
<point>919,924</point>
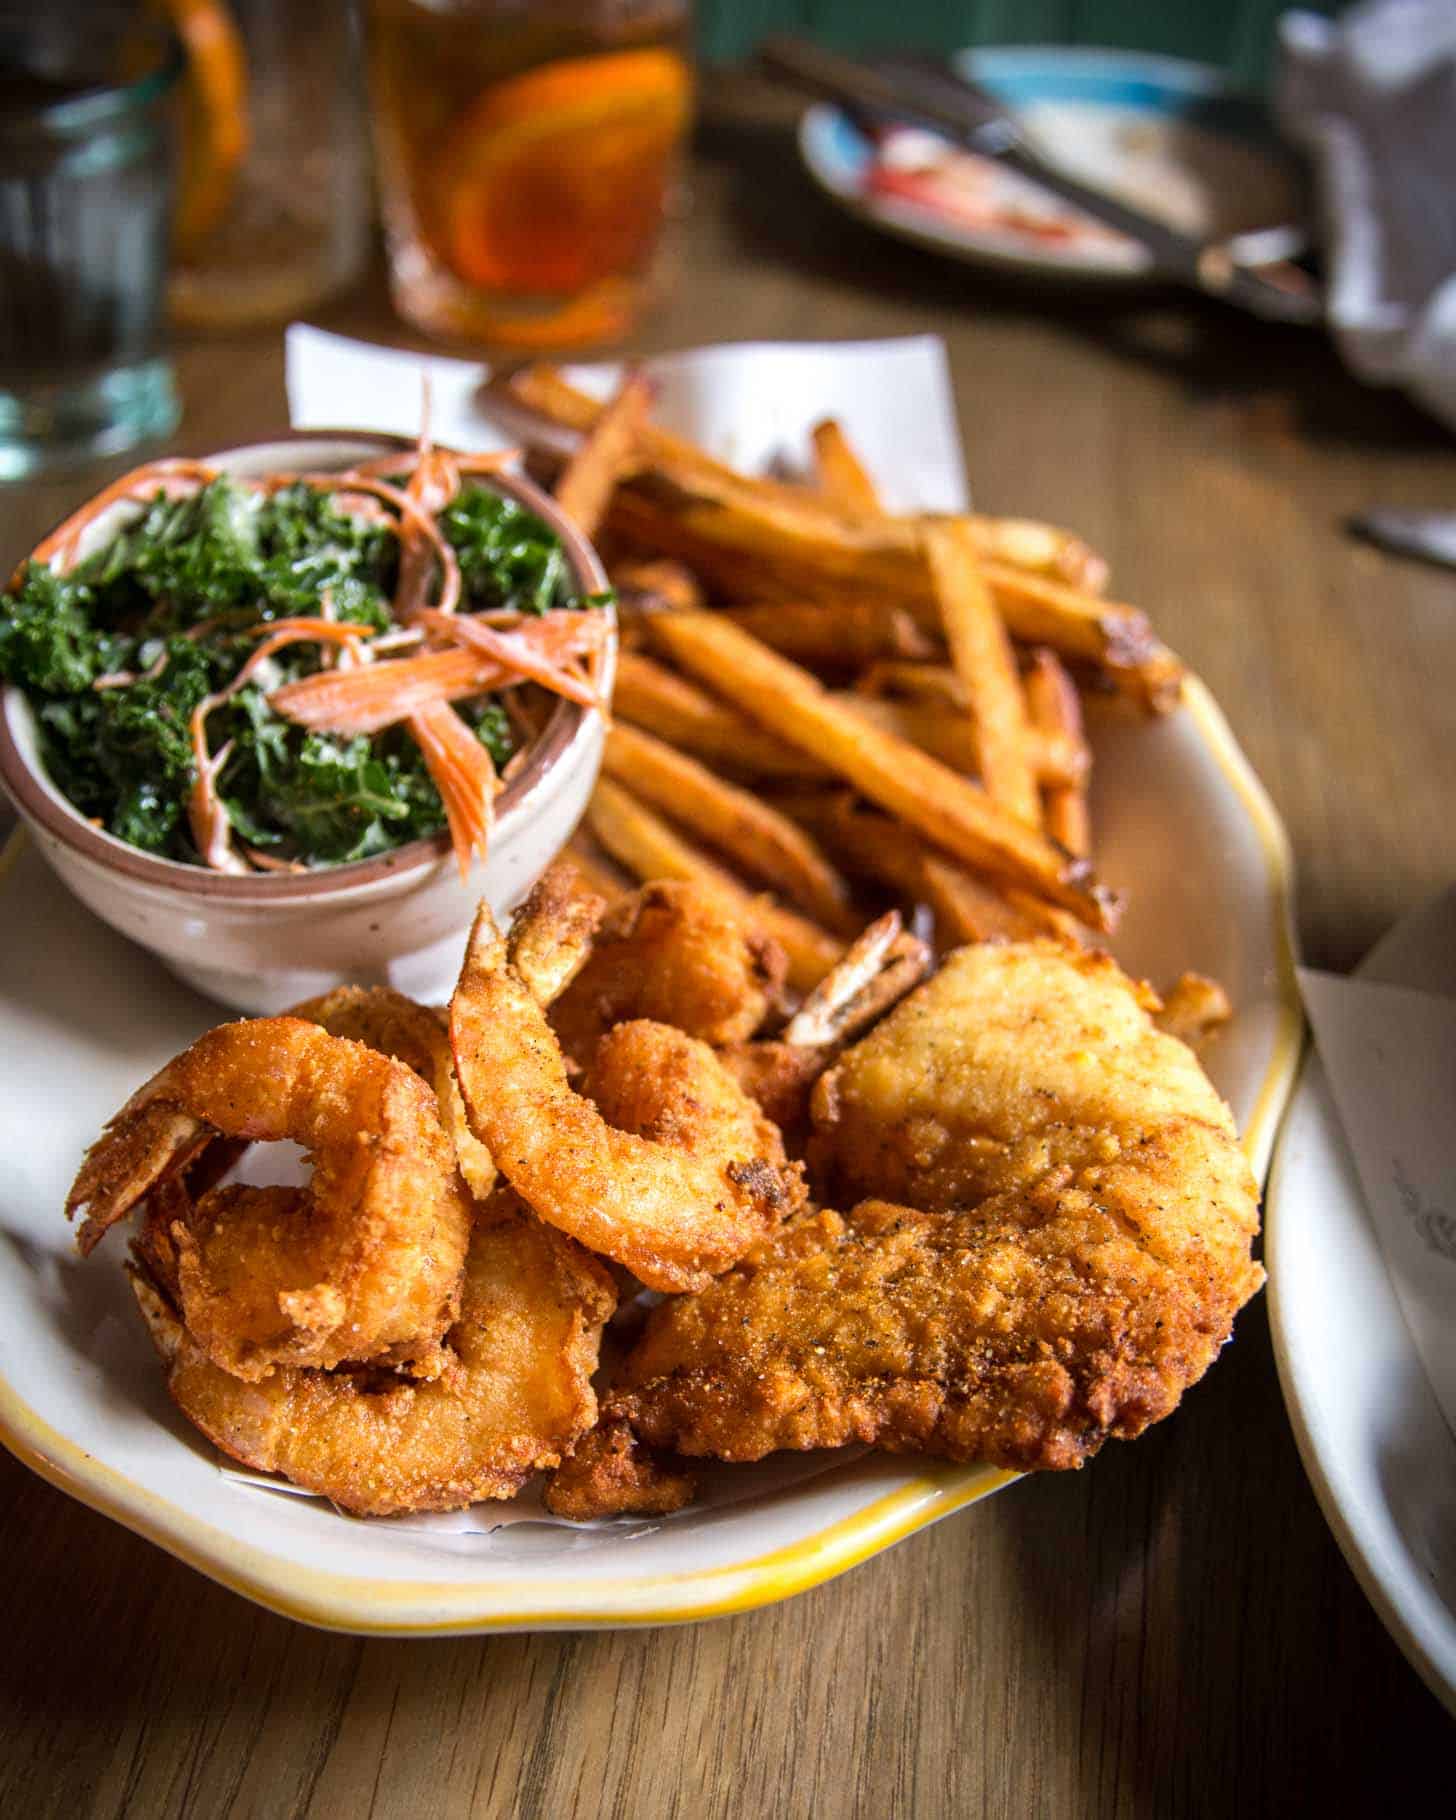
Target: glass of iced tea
<point>527,151</point>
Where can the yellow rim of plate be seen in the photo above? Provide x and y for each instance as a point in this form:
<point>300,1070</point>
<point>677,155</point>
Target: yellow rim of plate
<point>358,1604</point>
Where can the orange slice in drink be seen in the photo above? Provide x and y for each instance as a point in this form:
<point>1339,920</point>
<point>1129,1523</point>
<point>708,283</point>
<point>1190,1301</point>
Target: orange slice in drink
<point>215,118</point>
<point>556,179</point>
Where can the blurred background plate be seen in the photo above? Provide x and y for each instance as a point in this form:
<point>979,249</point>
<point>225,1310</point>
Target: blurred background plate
<point>1167,135</point>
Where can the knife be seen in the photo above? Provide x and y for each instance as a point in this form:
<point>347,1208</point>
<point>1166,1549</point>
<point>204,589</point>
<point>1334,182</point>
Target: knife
<point>917,89</point>
<point>1430,536</point>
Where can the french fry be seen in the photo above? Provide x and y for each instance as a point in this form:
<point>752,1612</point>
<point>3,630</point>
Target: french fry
<point>946,733</point>
<point>1045,918</point>
<point>546,396</point>
<point>1114,638</point>
<point>740,825</point>
<point>610,449</point>
<point>982,658</point>
<point>661,586</point>
<point>1193,1007</point>
<point>922,682</point>
<point>1042,549</point>
<point>966,907</point>
<point>592,868</point>
<point>1056,708</point>
<point>759,539</point>
<point>945,806</point>
<point>841,476</point>
<point>749,543</point>
<point>642,842</point>
<point>843,636</point>
<point>651,696</point>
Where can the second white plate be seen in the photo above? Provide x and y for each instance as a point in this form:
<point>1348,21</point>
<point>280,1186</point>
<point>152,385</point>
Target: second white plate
<point>1377,1449</point>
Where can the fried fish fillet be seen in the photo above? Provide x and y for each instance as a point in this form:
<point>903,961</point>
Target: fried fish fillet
<point>1068,1243</point>
<point>610,1474</point>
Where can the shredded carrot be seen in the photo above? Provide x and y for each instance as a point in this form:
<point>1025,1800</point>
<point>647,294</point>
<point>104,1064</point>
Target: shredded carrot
<point>206,815</point>
<point>368,700</point>
<point>433,484</point>
<point>405,461</point>
<point>327,631</point>
<point>409,512</point>
<point>376,697</point>
<point>270,862</point>
<point>516,651</point>
<point>463,773</point>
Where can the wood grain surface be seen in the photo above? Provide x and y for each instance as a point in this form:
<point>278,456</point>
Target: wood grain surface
<point>1171,1631</point>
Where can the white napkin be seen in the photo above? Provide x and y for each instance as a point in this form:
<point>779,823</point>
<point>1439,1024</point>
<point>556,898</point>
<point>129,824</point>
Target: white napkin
<point>752,403</point>
<point>1372,96</point>
<point>1389,1051</point>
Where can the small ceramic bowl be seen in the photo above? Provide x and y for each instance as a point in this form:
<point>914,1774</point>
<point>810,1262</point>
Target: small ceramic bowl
<point>262,943</point>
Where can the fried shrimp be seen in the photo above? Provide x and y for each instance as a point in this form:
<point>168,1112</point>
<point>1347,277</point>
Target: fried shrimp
<point>679,955</point>
<point>693,1177</point>
<point>363,1265</point>
<point>1071,1245</point>
<point>395,1025</point>
<point>515,1394</point>
<point>551,936</point>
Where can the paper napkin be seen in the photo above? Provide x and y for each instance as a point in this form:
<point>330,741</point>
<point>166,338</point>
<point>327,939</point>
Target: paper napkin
<point>752,403</point>
<point>1389,1052</point>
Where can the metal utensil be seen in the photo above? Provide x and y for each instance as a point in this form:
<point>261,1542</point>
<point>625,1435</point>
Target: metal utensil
<point>913,88</point>
<point>1429,536</point>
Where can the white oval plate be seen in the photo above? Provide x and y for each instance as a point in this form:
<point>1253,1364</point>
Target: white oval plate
<point>1377,1449</point>
<point>84,1017</point>
<point>1160,132</point>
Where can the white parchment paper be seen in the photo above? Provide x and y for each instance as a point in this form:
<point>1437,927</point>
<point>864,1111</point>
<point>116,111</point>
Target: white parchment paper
<point>752,403</point>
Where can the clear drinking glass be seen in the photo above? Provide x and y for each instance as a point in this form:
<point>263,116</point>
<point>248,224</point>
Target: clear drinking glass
<point>286,224</point>
<point>86,172</point>
<point>527,152</point>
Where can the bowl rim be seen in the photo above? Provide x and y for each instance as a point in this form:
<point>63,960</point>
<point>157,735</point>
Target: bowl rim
<point>41,801</point>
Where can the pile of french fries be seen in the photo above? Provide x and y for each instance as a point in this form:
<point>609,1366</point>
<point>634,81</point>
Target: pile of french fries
<point>822,706</point>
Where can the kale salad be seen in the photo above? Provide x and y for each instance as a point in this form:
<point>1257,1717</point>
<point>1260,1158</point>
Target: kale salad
<point>298,671</point>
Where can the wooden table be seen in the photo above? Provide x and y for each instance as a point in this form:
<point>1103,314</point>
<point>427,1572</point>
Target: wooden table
<point>1171,1631</point>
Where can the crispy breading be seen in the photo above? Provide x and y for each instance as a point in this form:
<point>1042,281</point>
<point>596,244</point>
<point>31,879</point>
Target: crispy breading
<point>1074,1247</point>
<point>363,1265</point>
<point>516,1395</point>
<point>676,954</point>
<point>609,1473</point>
<point>1007,1042</point>
<point>663,1163</point>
